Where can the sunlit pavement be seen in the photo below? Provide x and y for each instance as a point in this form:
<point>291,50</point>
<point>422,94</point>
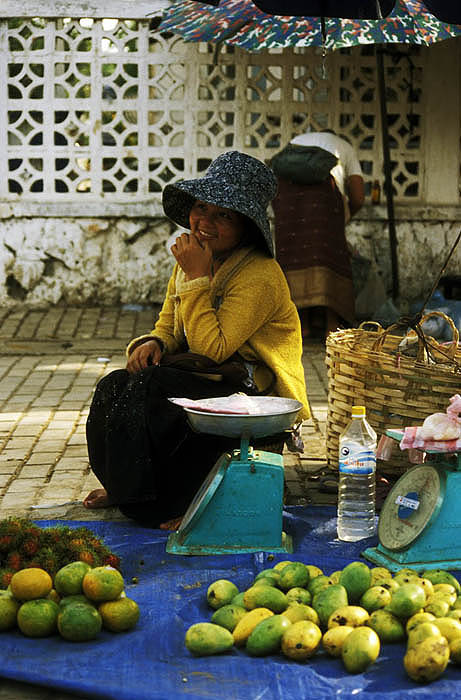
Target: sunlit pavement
<point>50,362</point>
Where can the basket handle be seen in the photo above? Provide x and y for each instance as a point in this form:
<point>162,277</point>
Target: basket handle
<point>379,342</point>
<point>377,326</point>
<point>449,351</point>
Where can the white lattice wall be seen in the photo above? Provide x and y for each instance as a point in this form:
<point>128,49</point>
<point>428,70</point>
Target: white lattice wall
<point>99,110</point>
<point>97,115</point>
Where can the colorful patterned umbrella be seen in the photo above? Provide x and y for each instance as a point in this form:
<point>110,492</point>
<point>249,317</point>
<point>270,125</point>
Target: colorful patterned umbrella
<point>241,23</point>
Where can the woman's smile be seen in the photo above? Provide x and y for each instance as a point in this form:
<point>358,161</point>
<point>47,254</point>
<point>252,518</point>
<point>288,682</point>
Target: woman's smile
<point>221,228</point>
<point>206,235</point>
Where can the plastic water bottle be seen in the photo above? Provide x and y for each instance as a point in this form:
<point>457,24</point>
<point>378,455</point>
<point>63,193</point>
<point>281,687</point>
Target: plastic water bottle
<point>357,467</point>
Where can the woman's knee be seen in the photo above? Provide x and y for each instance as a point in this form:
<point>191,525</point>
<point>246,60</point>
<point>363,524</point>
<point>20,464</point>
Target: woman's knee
<point>116,378</point>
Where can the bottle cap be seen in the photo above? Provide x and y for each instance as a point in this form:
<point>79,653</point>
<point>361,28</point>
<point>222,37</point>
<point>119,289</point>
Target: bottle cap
<point>358,411</point>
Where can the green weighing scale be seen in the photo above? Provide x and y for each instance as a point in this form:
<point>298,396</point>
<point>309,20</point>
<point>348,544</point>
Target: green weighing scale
<point>420,522</point>
<point>239,506</point>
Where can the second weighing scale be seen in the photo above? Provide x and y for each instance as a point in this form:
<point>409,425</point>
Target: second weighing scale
<point>420,522</point>
<point>239,506</point>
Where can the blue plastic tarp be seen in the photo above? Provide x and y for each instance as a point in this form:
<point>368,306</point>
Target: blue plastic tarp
<point>151,661</point>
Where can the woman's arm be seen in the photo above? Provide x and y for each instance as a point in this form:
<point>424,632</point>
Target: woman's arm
<point>162,333</point>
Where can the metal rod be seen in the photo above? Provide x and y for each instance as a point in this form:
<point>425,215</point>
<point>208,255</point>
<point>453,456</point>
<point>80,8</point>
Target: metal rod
<point>387,174</point>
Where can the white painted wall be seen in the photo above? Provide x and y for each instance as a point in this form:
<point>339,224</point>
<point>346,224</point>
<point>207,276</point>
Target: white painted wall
<point>44,261</point>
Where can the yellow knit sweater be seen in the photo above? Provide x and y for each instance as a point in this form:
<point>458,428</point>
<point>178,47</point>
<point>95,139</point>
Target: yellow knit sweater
<point>254,316</point>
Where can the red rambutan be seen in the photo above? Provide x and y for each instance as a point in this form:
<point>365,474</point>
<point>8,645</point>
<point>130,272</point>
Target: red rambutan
<point>14,561</point>
<point>30,547</point>
<point>5,542</point>
<point>87,557</point>
<point>5,578</point>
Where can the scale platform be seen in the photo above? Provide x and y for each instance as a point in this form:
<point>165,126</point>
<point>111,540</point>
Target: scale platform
<point>239,506</point>
<point>420,520</point>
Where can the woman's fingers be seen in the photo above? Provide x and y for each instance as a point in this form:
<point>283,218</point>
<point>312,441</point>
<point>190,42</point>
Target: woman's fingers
<point>193,256</point>
<point>144,355</point>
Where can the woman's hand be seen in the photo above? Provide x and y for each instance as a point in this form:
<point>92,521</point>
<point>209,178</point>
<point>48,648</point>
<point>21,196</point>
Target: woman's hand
<point>148,353</point>
<point>193,256</point>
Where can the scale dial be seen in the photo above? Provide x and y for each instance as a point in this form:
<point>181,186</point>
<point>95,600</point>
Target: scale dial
<point>412,502</point>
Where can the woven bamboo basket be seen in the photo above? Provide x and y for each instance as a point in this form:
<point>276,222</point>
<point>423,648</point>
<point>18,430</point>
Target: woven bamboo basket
<point>365,367</point>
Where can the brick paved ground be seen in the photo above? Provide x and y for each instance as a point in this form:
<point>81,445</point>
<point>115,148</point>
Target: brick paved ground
<point>50,362</point>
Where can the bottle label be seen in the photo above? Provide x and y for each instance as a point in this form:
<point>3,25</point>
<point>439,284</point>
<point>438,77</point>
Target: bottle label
<point>356,460</point>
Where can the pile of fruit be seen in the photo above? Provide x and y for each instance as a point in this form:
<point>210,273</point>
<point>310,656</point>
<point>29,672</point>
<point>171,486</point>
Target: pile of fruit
<point>77,603</point>
<point>24,544</point>
<point>296,609</point>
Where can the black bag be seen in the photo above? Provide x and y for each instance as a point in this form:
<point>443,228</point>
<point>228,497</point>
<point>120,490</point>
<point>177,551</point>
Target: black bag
<point>233,371</point>
<point>303,165</point>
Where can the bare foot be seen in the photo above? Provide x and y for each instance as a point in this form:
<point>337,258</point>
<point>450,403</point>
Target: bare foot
<point>97,499</point>
<point>172,524</point>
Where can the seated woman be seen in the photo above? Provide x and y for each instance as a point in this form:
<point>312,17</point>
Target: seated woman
<point>226,295</point>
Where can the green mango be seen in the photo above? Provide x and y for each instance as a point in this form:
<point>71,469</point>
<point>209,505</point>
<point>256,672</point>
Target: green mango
<point>389,583</point>
<point>375,598</point>
<point>205,639</point>
<point>406,571</point>
<point>266,637</point>
<point>449,627</point>
<point>327,600</point>
<point>356,579</point>
<point>295,574</point>
<point>422,632</point>
<point>314,571</point>
<point>9,607</point>
<point>405,578</point>
<point>387,626</point>
<point>298,611</point>
<point>407,600</point>
<point>265,581</point>
<point>270,576</point>
<point>455,652</point>
<point>378,573</point>
<point>349,616</point>
<point>298,595</point>
<point>439,607</point>
<point>238,600</point>
<point>426,661</point>
<point>301,640</point>
<point>265,597</point>
<point>228,616</point>
<point>360,649</point>
<point>417,619</point>
<point>333,639</point>
<point>441,576</point>
<point>281,564</point>
<point>221,592</point>
<point>317,583</point>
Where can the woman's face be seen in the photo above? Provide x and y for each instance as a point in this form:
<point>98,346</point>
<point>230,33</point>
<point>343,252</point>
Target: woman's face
<point>222,228</point>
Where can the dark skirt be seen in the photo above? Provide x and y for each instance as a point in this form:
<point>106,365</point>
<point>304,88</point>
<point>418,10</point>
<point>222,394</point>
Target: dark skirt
<point>141,447</point>
<point>311,246</point>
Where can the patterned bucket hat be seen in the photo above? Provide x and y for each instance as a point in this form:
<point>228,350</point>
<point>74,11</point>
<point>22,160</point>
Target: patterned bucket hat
<point>235,181</point>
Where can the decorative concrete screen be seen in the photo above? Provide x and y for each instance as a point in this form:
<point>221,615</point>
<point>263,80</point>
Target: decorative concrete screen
<point>97,115</point>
